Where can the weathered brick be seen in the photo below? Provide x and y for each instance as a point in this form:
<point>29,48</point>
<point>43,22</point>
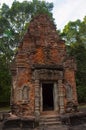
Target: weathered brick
<point>42,59</point>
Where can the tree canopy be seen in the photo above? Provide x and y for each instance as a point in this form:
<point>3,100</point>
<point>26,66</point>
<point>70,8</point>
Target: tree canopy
<point>14,21</point>
<point>74,34</point>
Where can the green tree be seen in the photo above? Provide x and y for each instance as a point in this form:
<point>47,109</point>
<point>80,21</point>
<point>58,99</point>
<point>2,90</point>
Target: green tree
<point>13,24</point>
<point>74,34</point>
<point>5,80</point>
<point>17,18</point>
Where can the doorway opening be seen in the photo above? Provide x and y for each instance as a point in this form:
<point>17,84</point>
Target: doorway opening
<point>47,96</point>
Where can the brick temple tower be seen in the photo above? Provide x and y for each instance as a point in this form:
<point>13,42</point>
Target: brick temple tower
<point>43,75</point>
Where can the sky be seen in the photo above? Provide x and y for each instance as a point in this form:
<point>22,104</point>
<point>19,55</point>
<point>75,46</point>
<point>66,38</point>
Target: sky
<point>63,11</point>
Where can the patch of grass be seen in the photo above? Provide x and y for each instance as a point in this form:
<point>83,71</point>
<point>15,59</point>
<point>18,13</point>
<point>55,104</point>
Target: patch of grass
<point>82,105</point>
<point>5,108</point>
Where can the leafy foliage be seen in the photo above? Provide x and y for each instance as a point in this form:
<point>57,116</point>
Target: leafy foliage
<point>14,22</point>
<point>5,80</point>
<point>75,35</point>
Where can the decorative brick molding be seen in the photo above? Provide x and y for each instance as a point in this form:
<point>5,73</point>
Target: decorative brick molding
<point>42,58</point>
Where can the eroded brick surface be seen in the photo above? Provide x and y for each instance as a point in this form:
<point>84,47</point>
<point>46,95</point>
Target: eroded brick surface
<point>42,58</point>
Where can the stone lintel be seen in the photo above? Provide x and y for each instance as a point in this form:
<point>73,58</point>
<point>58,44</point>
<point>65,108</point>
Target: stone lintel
<point>49,67</point>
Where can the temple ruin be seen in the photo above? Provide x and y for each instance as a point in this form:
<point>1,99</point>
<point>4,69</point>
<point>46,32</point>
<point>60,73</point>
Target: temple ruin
<point>43,75</point>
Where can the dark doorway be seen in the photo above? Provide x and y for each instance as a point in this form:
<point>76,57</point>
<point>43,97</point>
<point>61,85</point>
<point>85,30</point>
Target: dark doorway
<point>47,96</point>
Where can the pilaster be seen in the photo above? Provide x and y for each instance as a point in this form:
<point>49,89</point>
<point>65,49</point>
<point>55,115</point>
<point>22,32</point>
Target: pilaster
<point>61,96</point>
<point>37,99</point>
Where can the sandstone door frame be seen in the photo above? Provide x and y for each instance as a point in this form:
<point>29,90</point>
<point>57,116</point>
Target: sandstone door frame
<point>48,75</point>
<point>55,95</point>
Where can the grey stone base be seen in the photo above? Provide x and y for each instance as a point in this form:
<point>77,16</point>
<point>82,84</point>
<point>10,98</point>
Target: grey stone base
<point>74,121</point>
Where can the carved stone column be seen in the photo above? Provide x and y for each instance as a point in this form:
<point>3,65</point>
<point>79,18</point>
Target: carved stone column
<point>61,96</point>
<point>56,108</point>
<point>37,99</point>
<point>41,99</point>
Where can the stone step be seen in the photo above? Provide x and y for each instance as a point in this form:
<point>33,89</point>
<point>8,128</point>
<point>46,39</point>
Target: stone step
<point>49,116</point>
<point>49,120</point>
<point>50,123</point>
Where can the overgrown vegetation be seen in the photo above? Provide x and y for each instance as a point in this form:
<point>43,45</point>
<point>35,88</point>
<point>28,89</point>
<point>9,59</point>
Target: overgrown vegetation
<point>74,34</point>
